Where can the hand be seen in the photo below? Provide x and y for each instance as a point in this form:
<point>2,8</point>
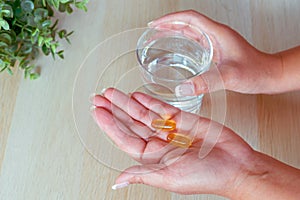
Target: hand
<point>127,121</point>
<point>239,66</point>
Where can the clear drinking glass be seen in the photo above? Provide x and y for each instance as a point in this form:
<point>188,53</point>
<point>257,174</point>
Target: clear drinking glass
<point>170,55</point>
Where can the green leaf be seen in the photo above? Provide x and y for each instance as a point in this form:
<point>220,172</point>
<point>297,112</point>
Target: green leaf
<point>12,34</point>
<point>5,37</point>
<point>64,1</point>
<point>69,9</point>
<point>26,49</point>
<point>53,48</point>
<point>34,39</point>
<point>4,24</point>
<point>68,40</point>
<point>27,6</point>
<point>41,12</point>
<point>81,5</point>
<point>35,32</point>
<point>44,3</point>
<point>30,20</point>
<point>61,54</point>
<point>24,63</point>
<point>13,48</point>
<point>29,68</point>
<point>7,11</point>
<point>40,40</point>
<point>53,55</point>
<point>3,45</point>
<point>48,41</point>
<point>9,71</point>
<point>34,76</point>
<point>50,11</point>
<point>62,33</point>
<point>2,65</point>
<point>45,50</point>
<point>46,23</point>
<point>18,12</point>
<point>3,68</point>
<point>26,74</point>
<point>55,4</point>
<point>70,33</point>
<point>62,7</point>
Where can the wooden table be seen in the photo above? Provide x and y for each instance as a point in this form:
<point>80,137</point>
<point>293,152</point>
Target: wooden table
<point>41,153</point>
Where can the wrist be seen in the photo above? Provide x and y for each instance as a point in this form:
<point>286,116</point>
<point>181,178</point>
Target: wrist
<point>272,73</point>
<point>284,71</point>
<point>267,178</point>
<point>290,73</point>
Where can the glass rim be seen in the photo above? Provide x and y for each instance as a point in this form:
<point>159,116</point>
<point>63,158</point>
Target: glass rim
<point>176,23</point>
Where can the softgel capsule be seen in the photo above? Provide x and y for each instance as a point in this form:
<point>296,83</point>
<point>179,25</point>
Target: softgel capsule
<point>176,139</point>
<point>164,125</point>
<point>179,140</point>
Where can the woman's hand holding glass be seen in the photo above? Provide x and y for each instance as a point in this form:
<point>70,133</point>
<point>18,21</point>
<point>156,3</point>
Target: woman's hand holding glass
<point>242,67</point>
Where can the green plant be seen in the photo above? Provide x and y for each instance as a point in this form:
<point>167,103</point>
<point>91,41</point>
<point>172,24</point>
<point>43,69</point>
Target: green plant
<point>28,27</point>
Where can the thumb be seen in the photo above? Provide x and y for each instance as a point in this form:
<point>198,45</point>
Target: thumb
<point>209,81</point>
<point>141,174</point>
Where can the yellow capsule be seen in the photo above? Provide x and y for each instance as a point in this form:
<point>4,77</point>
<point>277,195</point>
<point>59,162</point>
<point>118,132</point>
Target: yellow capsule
<point>164,125</point>
<point>179,140</point>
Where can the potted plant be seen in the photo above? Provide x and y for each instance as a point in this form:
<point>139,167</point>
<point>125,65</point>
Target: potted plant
<point>28,27</point>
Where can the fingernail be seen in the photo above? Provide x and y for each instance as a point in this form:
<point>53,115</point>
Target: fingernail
<point>120,185</point>
<point>185,89</point>
<point>92,111</point>
<point>91,97</point>
<point>149,24</point>
<point>92,108</point>
<point>103,91</point>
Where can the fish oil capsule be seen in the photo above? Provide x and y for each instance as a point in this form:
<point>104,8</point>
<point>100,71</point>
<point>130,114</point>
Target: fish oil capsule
<point>179,140</point>
<point>164,125</point>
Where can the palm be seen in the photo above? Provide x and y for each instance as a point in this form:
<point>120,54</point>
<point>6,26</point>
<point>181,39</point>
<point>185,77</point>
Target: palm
<point>130,128</point>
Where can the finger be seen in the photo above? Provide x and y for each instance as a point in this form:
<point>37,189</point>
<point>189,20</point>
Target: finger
<point>129,143</point>
<point>156,146</point>
<point>130,106</point>
<point>100,101</point>
<point>138,128</point>
<point>152,175</point>
<point>186,123</point>
<point>188,17</point>
<point>209,81</point>
<point>155,151</point>
<point>159,107</point>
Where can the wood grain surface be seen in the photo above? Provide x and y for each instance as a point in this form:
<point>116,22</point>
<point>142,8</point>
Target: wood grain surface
<point>46,154</point>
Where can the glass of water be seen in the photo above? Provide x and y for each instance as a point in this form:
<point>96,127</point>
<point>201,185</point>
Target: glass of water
<point>170,55</point>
